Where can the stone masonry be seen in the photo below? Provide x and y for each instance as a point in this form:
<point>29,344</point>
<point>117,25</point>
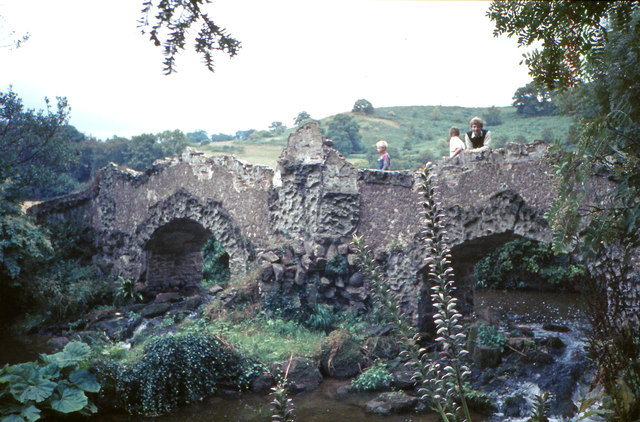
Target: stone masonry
<point>293,225</point>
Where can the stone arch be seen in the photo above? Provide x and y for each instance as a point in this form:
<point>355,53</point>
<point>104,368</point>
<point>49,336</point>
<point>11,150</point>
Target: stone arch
<point>173,256</point>
<point>472,233</point>
<point>180,225</point>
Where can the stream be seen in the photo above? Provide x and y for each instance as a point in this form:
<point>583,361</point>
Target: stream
<point>527,309</point>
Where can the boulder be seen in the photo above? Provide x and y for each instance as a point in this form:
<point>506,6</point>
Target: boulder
<point>515,406</point>
<point>341,355</point>
<point>486,356</point>
<point>391,403</point>
<point>303,374</point>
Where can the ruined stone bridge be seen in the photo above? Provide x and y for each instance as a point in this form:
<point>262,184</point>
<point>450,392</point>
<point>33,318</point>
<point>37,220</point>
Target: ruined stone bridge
<point>293,225</point>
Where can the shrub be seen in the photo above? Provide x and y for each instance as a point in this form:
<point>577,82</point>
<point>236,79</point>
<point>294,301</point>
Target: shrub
<point>286,305</point>
<point>68,288</point>
<point>374,378</point>
<point>522,263</point>
<point>488,335</point>
<point>215,263</point>
<point>29,391</point>
<point>337,265</point>
<point>178,370</point>
<point>322,318</point>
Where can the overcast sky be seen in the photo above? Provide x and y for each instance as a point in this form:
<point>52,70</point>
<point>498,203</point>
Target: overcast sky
<point>314,55</point>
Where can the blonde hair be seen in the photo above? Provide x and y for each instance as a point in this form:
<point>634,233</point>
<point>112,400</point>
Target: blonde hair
<point>382,144</point>
<point>476,121</point>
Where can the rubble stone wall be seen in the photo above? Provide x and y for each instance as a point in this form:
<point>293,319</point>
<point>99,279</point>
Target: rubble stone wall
<point>295,223</point>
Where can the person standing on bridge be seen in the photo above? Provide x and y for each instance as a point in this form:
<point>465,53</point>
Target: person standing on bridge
<point>477,139</point>
<point>384,162</point>
<point>456,146</point>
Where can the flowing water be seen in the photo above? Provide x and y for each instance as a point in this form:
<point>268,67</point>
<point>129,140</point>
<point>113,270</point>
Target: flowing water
<point>530,309</point>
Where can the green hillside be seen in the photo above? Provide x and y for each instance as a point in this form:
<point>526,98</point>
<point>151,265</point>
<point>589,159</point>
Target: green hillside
<point>416,134</point>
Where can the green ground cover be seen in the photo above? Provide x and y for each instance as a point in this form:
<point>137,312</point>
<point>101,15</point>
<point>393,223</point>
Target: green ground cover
<point>416,134</point>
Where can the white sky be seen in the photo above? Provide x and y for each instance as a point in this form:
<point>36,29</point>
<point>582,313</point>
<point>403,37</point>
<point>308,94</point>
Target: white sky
<point>314,55</point>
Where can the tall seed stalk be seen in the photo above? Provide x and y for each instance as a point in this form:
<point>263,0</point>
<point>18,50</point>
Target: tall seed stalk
<point>449,331</point>
<point>440,382</point>
<point>283,409</point>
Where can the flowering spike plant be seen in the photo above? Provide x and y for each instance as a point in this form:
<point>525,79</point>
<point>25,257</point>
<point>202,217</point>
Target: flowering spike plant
<point>440,378</point>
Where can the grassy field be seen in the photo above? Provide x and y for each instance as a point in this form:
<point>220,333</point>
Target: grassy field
<point>264,153</point>
<point>416,134</point>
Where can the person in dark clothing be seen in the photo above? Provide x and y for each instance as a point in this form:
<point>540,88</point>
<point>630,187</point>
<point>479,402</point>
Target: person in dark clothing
<point>477,139</point>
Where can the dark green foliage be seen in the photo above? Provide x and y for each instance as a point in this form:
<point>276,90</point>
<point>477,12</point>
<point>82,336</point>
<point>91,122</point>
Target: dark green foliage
<point>363,106</point>
<point>573,35</point>
<point>29,391</point>
<point>301,118</point>
<point>286,305</point>
<point>345,134</point>
<point>592,51</point>
<point>215,264</point>
<point>47,270</point>
<point>531,100</point>
<point>198,136</point>
<point>22,243</point>
<point>179,370</point>
<point>492,117</point>
<point>66,284</point>
<point>374,378</point>
<point>126,291</point>
<point>35,153</point>
<point>540,408</point>
<point>170,22</point>
<point>523,263</point>
<point>489,335</point>
<point>217,137</point>
<point>322,318</point>
<point>337,265</point>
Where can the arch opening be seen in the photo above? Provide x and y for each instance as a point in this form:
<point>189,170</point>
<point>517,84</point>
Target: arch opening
<point>174,258</point>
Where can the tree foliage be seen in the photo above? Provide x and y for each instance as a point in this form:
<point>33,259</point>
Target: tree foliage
<point>363,106</point>
<point>198,136</point>
<point>591,50</point>
<point>302,117</point>
<point>167,22</point>
<point>573,35</point>
<point>531,100</point>
<point>35,154</point>
<point>492,117</point>
<point>344,131</point>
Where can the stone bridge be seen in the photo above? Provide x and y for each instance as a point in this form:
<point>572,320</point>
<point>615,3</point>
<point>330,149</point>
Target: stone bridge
<point>291,227</point>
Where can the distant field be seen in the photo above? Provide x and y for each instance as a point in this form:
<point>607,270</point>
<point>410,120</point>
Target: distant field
<point>416,134</point>
<point>253,153</point>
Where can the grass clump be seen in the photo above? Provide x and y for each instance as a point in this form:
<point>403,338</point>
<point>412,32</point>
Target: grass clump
<point>375,378</point>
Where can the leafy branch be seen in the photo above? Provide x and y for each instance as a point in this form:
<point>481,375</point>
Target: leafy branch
<point>170,24</point>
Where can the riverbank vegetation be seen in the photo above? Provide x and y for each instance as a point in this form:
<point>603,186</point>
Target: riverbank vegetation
<point>152,360</point>
<point>589,57</point>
